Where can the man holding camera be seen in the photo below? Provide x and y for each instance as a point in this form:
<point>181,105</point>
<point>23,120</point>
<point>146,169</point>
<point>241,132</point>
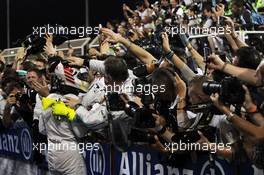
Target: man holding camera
<point>250,122</point>
<point>17,106</point>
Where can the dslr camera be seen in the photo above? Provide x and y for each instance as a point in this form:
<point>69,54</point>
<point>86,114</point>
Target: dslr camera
<point>230,90</point>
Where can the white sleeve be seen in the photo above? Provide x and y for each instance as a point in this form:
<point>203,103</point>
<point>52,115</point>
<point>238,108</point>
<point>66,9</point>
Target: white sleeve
<point>180,12</point>
<point>43,120</point>
<point>97,65</point>
<point>2,107</point>
<point>94,118</point>
<point>97,117</point>
<point>217,120</point>
<point>38,108</point>
<point>208,23</point>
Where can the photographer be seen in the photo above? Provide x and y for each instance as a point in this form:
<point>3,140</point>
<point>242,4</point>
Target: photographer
<point>208,13</point>
<point>171,137</point>
<point>200,116</point>
<point>17,106</point>
<point>241,15</point>
<point>172,99</point>
<point>251,127</point>
<point>233,39</point>
<point>245,74</point>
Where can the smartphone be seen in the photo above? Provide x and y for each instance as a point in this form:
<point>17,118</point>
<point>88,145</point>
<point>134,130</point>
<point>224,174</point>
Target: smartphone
<point>221,21</point>
<point>207,52</point>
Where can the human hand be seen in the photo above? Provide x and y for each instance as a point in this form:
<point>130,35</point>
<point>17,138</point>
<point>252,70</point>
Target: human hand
<point>41,89</point>
<point>125,7</point>
<point>49,48</point>
<point>11,99</point>
<point>203,140</point>
<point>21,53</point>
<point>75,61</point>
<point>159,122</point>
<point>71,102</point>
<point>60,109</point>
<point>220,10</point>
<point>217,102</point>
<point>165,42</point>
<point>61,54</point>
<point>260,74</point>
<point>248,103</point>
<point>112,36</point>
<point>215,62</point>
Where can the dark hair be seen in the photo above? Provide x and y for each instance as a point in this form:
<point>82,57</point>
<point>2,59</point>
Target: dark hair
<point>165,76</point>
<point>248,57</point>
<point>2,66</point>
<point>140,3</point>
<point>11,86</point>
<point>207,7</point>
<point>238,3</point>
<point>38,72</point>
<point>131,61</point>
<point>28,65</point>
<point>116,68</point>
<point>9,75</point>
<point>41,60</point>
<point>194,8</point>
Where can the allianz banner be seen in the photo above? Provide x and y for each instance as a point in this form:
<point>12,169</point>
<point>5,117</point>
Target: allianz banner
<point>16,142</point>
<point>141,161</point>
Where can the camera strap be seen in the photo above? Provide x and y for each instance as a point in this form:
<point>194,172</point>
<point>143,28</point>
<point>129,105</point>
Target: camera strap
<point>206,118</point>
<point>203,119</point>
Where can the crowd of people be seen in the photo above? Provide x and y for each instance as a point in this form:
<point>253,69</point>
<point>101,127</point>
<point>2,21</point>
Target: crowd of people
<point>147,84</point>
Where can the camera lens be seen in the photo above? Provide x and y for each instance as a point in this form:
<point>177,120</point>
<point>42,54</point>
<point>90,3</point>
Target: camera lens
<point>140,71</point>
<point>211,87</point>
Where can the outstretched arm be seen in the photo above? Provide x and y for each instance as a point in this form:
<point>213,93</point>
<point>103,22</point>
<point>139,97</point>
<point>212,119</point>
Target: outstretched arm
<point>142,54</point>
<point>186,72</point>
<point>244,74</point>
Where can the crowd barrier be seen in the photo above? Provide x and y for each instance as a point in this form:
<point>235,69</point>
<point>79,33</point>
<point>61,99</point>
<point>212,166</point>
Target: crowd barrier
<point>16,144</point>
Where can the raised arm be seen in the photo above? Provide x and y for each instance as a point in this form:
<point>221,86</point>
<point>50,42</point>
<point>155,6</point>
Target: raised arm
<point>196,56</point>
<point>20,56</point>
<point>245,74</point>
<point>127,9</point>
<point>186,72</point>
<point>244,125</point>
<point>234,37</point>
<point>142,54</point>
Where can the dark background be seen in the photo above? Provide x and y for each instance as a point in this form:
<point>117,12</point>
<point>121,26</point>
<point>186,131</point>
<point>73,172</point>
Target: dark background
<point>24,14</point>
